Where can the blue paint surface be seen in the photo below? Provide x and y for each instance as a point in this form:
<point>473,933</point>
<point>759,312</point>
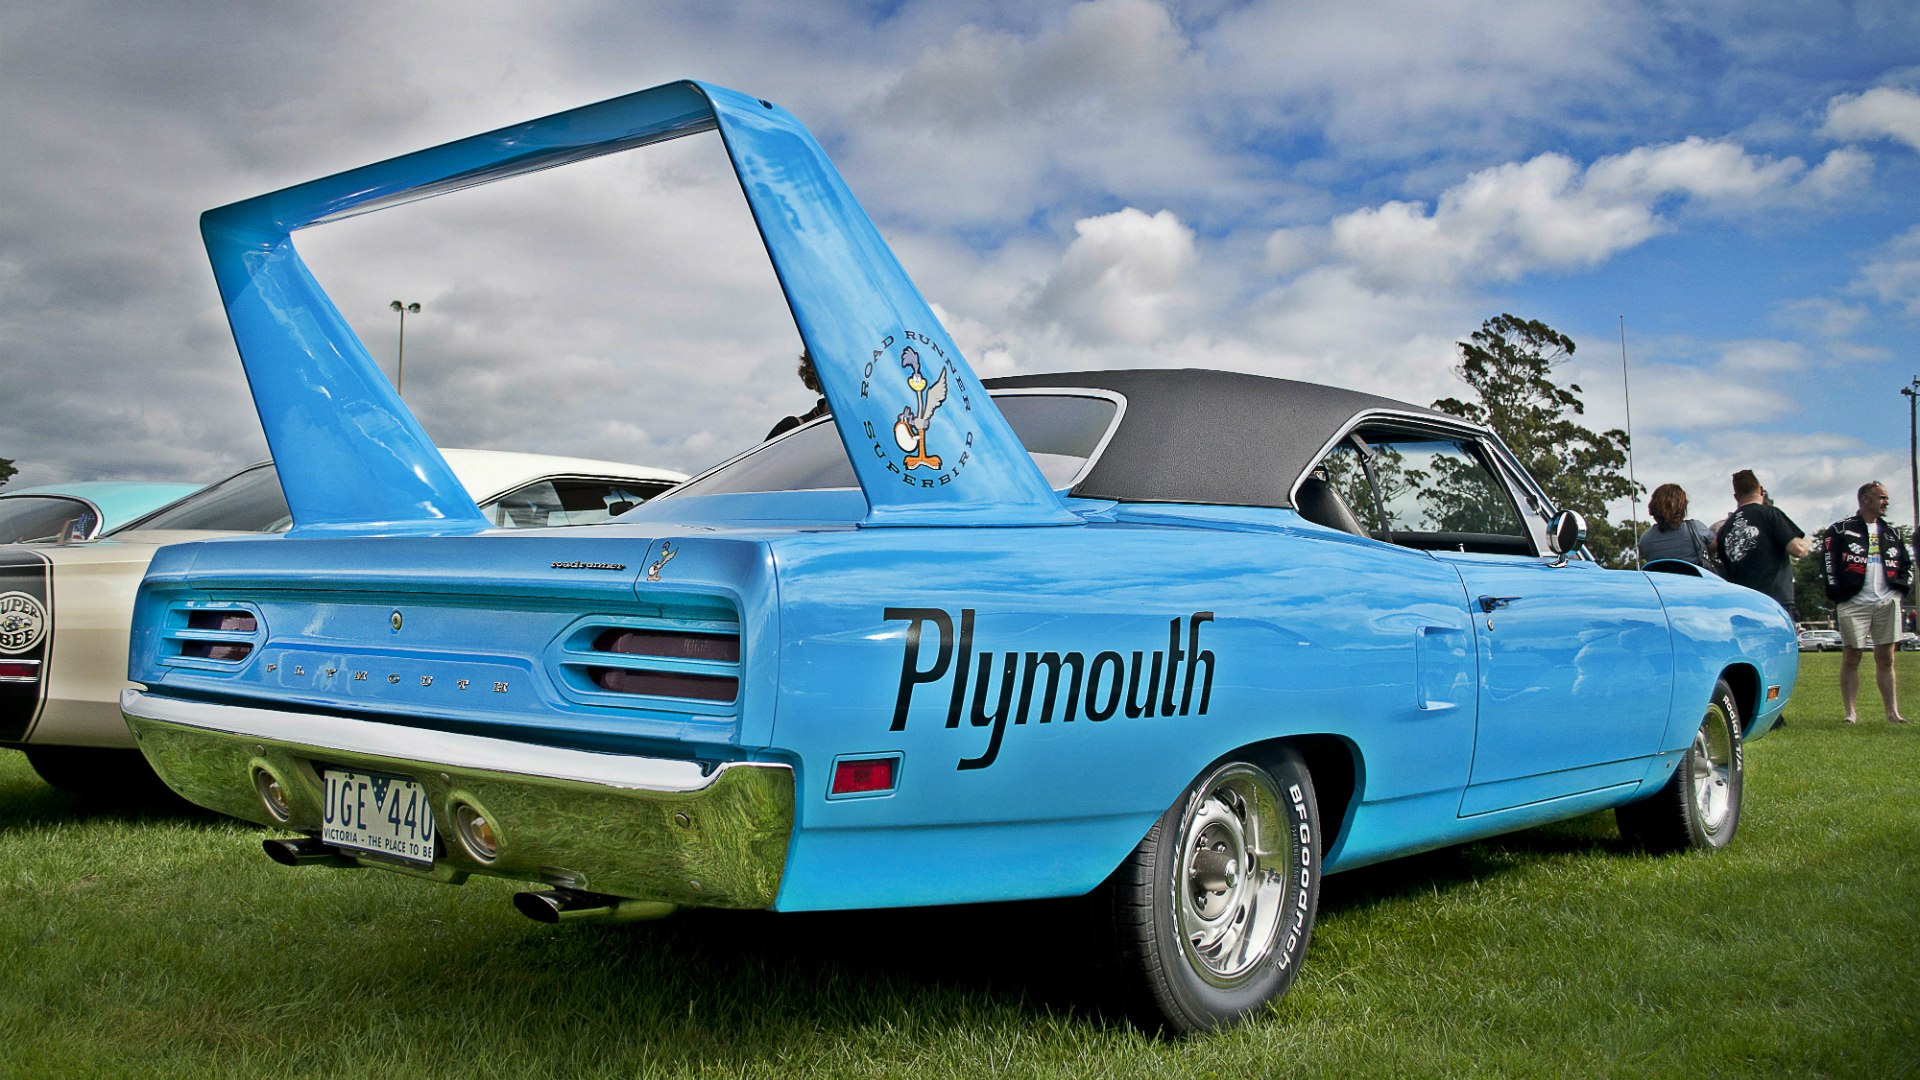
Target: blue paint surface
<point>1048,673</point>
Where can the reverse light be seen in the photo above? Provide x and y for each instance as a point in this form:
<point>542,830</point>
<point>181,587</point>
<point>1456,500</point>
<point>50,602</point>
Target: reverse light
<point>476,832</point>
<point>864,776</point>
<point>273,795</point>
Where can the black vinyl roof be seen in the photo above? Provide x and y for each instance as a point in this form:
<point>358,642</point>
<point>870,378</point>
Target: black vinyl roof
<point>1196,436</point>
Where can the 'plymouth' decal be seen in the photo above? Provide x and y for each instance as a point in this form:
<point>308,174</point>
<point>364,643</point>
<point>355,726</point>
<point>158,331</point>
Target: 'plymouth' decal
<point>1139,684</point>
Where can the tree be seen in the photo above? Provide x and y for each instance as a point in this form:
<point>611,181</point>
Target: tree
<point>6,470</point>
<point>1509,365</point>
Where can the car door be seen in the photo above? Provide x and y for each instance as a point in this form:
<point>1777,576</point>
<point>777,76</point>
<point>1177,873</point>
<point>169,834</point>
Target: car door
<point>1575,666</point>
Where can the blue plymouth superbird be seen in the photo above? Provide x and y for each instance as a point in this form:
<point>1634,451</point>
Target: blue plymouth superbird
<point>1175,641</point>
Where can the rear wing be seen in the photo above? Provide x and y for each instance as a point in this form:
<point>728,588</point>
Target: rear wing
<point>927,443</point>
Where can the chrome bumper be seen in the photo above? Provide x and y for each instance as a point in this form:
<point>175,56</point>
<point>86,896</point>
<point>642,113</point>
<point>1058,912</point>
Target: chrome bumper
<point>641,828</point>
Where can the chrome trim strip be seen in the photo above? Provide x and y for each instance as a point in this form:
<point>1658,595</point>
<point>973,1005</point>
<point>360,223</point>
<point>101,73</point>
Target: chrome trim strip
<point>450,749</point>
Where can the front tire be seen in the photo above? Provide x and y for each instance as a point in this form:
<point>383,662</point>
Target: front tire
<point>1698,808</point>
<point>1211,914</point>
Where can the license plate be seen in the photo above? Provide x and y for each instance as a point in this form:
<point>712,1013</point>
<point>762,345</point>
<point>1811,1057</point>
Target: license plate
<point>379,815</point>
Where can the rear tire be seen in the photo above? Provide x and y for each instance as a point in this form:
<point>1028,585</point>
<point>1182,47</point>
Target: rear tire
<point>98,773</point>
<point>1698,809</point>
<point>1210,916</point>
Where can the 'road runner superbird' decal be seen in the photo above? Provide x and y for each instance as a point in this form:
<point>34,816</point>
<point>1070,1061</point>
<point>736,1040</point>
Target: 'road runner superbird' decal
<point>1096,689</point>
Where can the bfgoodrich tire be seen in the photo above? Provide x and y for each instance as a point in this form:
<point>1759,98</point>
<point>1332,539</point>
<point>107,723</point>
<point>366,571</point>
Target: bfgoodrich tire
<point>1698,809</point>
<point>1209,918</point>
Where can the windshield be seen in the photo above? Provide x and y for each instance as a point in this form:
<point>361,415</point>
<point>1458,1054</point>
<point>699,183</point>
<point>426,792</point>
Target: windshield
<point>1061,430</point>
<point>248,502</point>
<point>28,518</point>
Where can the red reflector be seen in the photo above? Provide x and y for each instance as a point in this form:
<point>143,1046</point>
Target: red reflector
<point>857,777</point>
<point>20,670</point>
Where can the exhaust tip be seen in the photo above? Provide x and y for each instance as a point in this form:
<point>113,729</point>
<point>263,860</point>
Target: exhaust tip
<point>541,907</point>
<point>304,851</point>
<point>570,905</point>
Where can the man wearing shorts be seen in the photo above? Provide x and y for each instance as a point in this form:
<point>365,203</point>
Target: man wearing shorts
<point>1867,567</point>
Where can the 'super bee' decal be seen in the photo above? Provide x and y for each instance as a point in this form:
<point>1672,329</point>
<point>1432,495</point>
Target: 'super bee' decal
<point>23,622</point>
<point>26,639</point>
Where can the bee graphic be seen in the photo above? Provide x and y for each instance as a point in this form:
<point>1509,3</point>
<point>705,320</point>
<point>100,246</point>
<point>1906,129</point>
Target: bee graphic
<point>910,429</point>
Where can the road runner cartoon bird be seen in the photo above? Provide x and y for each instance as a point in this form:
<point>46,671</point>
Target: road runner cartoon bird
<point>666,556</point>
<point>910,429</point>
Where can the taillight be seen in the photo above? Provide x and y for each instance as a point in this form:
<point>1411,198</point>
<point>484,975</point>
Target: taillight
<point>671,644</point>
<point>20,671</point>
<point>239,622</point>
<point>693,663</point>
<point>221,633</point>
<point>667,684</point>
<point>216,650</point>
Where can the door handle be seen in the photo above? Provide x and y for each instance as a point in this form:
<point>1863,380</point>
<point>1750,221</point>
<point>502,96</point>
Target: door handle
<point>1489,603</point>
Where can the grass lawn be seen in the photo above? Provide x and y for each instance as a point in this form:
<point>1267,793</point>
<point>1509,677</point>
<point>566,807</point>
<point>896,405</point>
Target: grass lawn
<point>163,943</point>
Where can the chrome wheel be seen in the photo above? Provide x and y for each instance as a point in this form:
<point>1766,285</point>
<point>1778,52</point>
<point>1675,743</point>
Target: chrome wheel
<point>1230,893</point>
<point>1712,777</point>
<point>1698,808</point>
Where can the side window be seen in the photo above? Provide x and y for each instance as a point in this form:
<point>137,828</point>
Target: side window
<point>1346,478</point>
<point>568,502</point>
<point>1438,493</point>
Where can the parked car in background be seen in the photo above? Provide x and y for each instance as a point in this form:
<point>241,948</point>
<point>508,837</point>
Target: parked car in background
<point>64,608</point>
<point>1172,641</point>
<point>62,513</point>
<point>1819,640</point>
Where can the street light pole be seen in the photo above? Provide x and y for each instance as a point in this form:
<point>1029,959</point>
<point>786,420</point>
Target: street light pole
<point>400,369</point>
<point>1912,392</point>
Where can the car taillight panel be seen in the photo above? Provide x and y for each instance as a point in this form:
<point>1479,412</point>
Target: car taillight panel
<point>210,635</point>
<point>666,662</point>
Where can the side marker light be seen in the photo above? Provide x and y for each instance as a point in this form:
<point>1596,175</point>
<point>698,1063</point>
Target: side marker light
<point>863,777</point>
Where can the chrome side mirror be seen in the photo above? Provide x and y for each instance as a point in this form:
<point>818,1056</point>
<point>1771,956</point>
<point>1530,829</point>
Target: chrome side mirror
<point>1566,532</point>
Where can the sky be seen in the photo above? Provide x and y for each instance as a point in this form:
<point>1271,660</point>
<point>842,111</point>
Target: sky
<point>1722,194</point>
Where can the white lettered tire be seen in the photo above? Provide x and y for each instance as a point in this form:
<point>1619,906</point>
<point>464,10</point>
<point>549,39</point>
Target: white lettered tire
<point>1698,808</point>
<point>1210,917</point>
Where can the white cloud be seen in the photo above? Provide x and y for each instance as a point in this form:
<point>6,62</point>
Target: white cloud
<point>1548,213</point>
<point>1822,317</point>
<point>1289,250</point>
<point>1385,79</point>
<point>1892,274</point>
<point>1123,278</point>
<point>1694,167</point>
<point>1884,112</point>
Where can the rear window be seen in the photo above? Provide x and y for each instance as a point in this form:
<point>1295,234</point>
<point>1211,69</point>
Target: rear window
<point>1063,432</point>
<point>27,518</point>
<point>248,502</point>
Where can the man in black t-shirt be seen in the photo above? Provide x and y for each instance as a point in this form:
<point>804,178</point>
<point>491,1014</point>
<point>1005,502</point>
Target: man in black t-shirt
<point>1756,541</point>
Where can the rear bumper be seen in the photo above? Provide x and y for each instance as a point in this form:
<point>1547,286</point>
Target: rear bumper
<point>637,827</point>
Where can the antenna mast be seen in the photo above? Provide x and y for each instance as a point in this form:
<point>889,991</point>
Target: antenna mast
<point>1633,493</point>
